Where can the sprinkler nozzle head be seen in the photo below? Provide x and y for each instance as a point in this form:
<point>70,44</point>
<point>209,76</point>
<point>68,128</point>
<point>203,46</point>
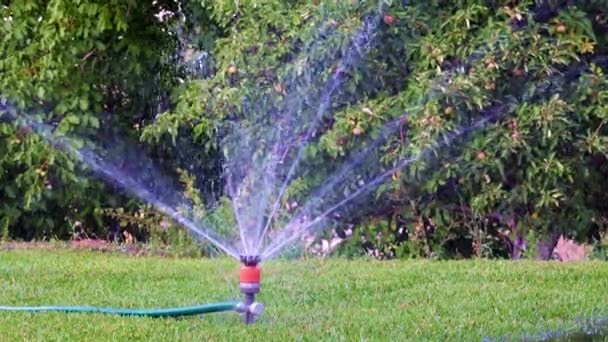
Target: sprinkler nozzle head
<point>250,260</point>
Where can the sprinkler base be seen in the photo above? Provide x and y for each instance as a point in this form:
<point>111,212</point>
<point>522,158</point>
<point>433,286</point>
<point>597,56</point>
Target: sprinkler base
<point>250,309</point>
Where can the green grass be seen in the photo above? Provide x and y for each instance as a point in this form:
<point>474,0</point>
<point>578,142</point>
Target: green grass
<point>305,300</point>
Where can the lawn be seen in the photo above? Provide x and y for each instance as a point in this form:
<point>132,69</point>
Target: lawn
<point>305,300</point>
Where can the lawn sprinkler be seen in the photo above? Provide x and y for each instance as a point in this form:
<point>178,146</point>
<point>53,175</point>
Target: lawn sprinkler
<point>249,308</point>
<point>250,285</point>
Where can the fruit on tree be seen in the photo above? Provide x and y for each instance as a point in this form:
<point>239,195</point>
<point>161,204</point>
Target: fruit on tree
<point>389,19</point>
<point>449,110</point>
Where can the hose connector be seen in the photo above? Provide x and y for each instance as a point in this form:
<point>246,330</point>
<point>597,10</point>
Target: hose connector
<point>250,276</point>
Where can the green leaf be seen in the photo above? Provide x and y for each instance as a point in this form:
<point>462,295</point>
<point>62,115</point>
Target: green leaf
<point>72,119</point>
<point>83,103</point>
<point>93,121</point>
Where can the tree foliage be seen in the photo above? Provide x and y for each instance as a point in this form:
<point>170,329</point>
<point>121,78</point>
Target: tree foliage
<point>73,61</point>
<point>500,105</point>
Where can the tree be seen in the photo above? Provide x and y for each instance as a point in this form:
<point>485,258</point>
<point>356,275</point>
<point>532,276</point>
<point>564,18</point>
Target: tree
<point>524,81</point>
<point>73,61</point>
<point>487,118</point>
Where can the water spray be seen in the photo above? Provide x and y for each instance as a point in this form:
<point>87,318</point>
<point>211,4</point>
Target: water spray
<point>250,276</point>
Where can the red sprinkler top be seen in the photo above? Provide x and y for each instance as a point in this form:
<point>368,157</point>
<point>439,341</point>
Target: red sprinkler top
<point>250,274</point>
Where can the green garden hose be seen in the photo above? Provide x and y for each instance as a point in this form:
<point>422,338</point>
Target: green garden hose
<point>171,312</point>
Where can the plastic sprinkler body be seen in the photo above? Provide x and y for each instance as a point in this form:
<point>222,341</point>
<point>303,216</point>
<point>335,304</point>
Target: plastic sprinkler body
<point>250,276</point>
